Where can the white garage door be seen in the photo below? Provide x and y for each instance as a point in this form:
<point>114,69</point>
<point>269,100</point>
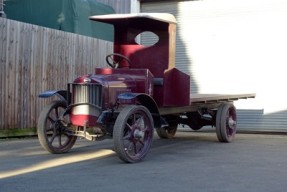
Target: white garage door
<point>235,46</point>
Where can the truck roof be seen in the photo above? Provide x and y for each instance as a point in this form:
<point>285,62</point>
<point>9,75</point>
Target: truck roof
<point>126,18</point>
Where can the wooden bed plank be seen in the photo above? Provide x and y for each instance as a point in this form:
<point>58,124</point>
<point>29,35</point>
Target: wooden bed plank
<point>207,98</point>
<point>204,101</point>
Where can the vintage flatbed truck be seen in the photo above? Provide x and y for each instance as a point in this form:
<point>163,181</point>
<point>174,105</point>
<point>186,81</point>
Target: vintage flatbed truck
<point>140,92</point>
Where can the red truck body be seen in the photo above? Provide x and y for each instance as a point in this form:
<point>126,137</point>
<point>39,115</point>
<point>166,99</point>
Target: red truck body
<point>140,91</point>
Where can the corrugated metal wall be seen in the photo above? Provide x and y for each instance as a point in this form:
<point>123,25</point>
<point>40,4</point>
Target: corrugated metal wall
<point>232,46</point>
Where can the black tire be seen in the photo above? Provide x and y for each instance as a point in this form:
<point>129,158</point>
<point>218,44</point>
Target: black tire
<point>133,133</point>
<point>226,120</point>
<point>52,134</point>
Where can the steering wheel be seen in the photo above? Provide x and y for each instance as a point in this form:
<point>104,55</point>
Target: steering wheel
<point>115,64</point>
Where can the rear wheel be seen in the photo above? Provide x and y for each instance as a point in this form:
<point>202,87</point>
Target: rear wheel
<point>133,133</point>
<point>226,122</point>
<point>167,132</point>
<point>53,133</point>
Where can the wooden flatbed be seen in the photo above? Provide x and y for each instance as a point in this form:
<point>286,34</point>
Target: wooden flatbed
<point>199,101</point>
<point>210,98</point>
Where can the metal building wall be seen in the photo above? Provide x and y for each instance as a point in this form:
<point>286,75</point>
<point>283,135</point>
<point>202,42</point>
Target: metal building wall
<point>232,46</point>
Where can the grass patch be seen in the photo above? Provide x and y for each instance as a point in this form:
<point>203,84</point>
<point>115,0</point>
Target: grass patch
<point>6,133</point>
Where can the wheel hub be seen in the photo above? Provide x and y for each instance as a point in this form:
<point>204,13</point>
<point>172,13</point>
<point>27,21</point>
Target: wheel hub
<point>139,134</point>
<point>231,123</point>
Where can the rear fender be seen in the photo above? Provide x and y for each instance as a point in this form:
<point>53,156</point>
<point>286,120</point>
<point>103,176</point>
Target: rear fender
<point>146,101</point>
<point>62,94</point>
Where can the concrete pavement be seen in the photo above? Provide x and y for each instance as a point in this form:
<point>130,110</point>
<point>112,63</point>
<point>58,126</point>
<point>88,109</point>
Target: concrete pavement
<point>192,161</point>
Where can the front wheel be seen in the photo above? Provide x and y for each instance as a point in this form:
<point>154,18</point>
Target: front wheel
<point>133,133</point>
<point>53,132</point>
<point>226,122</point>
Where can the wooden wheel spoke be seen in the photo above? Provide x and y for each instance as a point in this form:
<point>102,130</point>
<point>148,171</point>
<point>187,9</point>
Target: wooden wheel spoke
<point>145,128</point>
<point>129,147</point>
<point>134,118</point>
<point>129,126</point>
<point>127,136</point>
<point>140,146</point>
<point>60,140</point>
<point>51,119</point>
<point>57,112</point>
<point>229,131</point>
<point>141,142</point>
<point>135,148</point>
<point>53,138</point>
<point>138,121</point>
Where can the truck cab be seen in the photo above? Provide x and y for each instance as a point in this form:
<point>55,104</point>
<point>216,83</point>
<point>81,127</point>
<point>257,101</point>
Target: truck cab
<point>170,87</point>
<point>135,73</point>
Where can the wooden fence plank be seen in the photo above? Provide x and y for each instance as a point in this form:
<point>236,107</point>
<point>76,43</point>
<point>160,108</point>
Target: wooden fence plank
<point>3,50</point>
<point>34,59</point>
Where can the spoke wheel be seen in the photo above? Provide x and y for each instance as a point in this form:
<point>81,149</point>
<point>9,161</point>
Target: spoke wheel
<point>53,134</point>
<point>133,133</point>
<point>226,122</point>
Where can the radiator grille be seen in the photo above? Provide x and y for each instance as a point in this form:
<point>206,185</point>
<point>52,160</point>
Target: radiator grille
<point>87,93</point>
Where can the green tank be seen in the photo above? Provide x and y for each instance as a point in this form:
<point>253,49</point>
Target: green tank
<point>66,15</point>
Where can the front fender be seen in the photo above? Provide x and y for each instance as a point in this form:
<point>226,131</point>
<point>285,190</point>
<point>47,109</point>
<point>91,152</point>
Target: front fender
<point>146,101</point>
<point>62,94</point>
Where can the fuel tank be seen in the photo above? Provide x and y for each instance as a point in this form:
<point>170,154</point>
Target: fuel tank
<point>94,93</point>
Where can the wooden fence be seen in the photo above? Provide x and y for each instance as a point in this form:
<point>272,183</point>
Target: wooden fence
<point>34,59</point>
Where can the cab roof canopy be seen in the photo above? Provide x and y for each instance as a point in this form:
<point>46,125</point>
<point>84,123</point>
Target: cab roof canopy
<point>137,20</point>
<point>157,57</point>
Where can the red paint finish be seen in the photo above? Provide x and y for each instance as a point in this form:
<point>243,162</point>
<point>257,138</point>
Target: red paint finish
<point>154,58</point>
<point>82,120</point>
<point>142,78</point>
<point>175,90</point>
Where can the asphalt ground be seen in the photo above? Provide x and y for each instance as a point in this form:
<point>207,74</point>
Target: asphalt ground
<point>192,161</point>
